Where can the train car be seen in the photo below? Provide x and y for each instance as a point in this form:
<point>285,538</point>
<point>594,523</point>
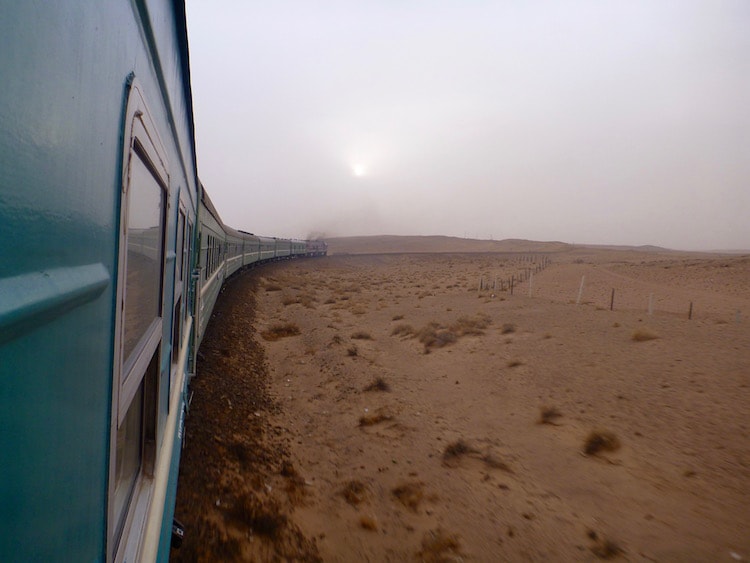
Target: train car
<point>98,215</point>
<point>282,248</point>
<point>316,248</point>
<point>267,248</point>
<point>211,263</point>
<point>299,248</point>
<point>112,258</point>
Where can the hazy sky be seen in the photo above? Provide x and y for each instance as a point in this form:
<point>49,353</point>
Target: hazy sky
<point>622,122</point>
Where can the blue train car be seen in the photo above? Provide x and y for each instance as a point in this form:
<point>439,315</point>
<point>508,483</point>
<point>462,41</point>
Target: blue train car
<point>98,218</point>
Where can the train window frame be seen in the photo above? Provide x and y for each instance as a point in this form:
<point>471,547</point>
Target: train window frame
<point>179,282</point>
<point>136,371</point>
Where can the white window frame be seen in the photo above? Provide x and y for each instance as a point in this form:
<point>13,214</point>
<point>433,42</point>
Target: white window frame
<point>139,136</point>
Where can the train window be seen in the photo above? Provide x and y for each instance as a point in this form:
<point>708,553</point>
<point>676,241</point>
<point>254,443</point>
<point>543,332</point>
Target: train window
<point>139,325</point>
<point>144,254</point>
<point>176,331</point>
<point>180,243</point>
<point>188,264</point>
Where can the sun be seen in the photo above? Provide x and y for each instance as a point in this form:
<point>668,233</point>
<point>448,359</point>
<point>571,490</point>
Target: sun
<point>359,170</point>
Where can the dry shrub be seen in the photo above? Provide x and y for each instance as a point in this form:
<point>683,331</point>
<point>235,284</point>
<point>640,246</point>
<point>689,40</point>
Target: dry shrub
<point>599,441</point>
<point>352,351</point>
<point>508,328</point>
<point>495,463</point>
<point>373,419</point>
<point>439,546</point>
<point>289,300</point>
<point>361,335</point>
<point>368,523</point>
<point>433,336</point>
<point>273,287</point>
<point>397,317</point>
<point>402,330</point>
<point>455,450</point>
<point>514,363</point>
<point>354,492</point>
<point>280,330</point>
<point>409,494</point>
<point>379,384</point>
<point>264,518</point>
<point>548,415</point>
<point>474,326</point>
<point>604,548</point>
<point>307,301</point>
<point>643,335</point>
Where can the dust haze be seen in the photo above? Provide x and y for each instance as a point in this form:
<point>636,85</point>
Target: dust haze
<point>582,121</point>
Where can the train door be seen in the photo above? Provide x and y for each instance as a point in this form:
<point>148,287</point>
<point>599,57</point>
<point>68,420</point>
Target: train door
<point>139,328</point>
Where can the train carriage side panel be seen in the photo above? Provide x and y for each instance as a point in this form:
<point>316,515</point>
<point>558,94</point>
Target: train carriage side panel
<point>283,248</point>
<point>251,252</point>
<point>65,143</point>
<point>267,248</point>
<point>235,245</point>
<point>211,264</point>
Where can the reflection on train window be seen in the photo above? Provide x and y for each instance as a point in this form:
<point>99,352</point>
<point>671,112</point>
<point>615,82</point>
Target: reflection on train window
<point>144,254</point>
<point>128,458</point>
<point>180,243</point>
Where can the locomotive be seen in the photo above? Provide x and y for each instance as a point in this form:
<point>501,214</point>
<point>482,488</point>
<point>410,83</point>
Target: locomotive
<point>111,260</point>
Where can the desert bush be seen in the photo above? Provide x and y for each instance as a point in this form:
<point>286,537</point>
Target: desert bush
<point>548,415</point>
<point>402,330</point>
<point>289,300</point>
<point>373,419</point>
<point>368,523</point>
<point>466,326</point>
<point>397,317</point>
<point>438,546</point>
<point>352,351</point>
<point>604,548</point>
<point>643,335</point>
<point>601,440</point>
<point>265,518</point>
<point>378,384</point>
<point>281,330</point>
<point>508,328</point>
<point>409,494</point>
<point>457,449</point>
<point>354,492</point>
<point>433,336</point>
<point>273,287</point>
<point>361,335</point>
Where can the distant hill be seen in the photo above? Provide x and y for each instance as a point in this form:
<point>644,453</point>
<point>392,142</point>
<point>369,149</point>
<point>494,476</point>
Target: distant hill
<point>391,244</point>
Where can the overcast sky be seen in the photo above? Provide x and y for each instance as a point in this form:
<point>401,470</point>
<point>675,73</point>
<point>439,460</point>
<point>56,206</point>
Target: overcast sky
<point>613,122</point>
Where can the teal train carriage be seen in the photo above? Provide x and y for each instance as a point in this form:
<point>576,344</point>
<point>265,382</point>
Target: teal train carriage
<point>98,215</point>
<point>112,258</point>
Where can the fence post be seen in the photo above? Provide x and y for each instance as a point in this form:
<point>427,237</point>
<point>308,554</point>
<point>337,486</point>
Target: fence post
<point>580,290</point>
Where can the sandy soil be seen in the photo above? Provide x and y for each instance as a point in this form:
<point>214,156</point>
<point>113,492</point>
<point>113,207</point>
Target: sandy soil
<point>396,412</point>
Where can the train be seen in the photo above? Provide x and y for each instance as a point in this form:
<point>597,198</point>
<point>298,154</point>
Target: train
<point>112,256</point>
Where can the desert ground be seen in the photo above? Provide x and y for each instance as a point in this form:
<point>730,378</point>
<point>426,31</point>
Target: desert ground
<point>407,407</point>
